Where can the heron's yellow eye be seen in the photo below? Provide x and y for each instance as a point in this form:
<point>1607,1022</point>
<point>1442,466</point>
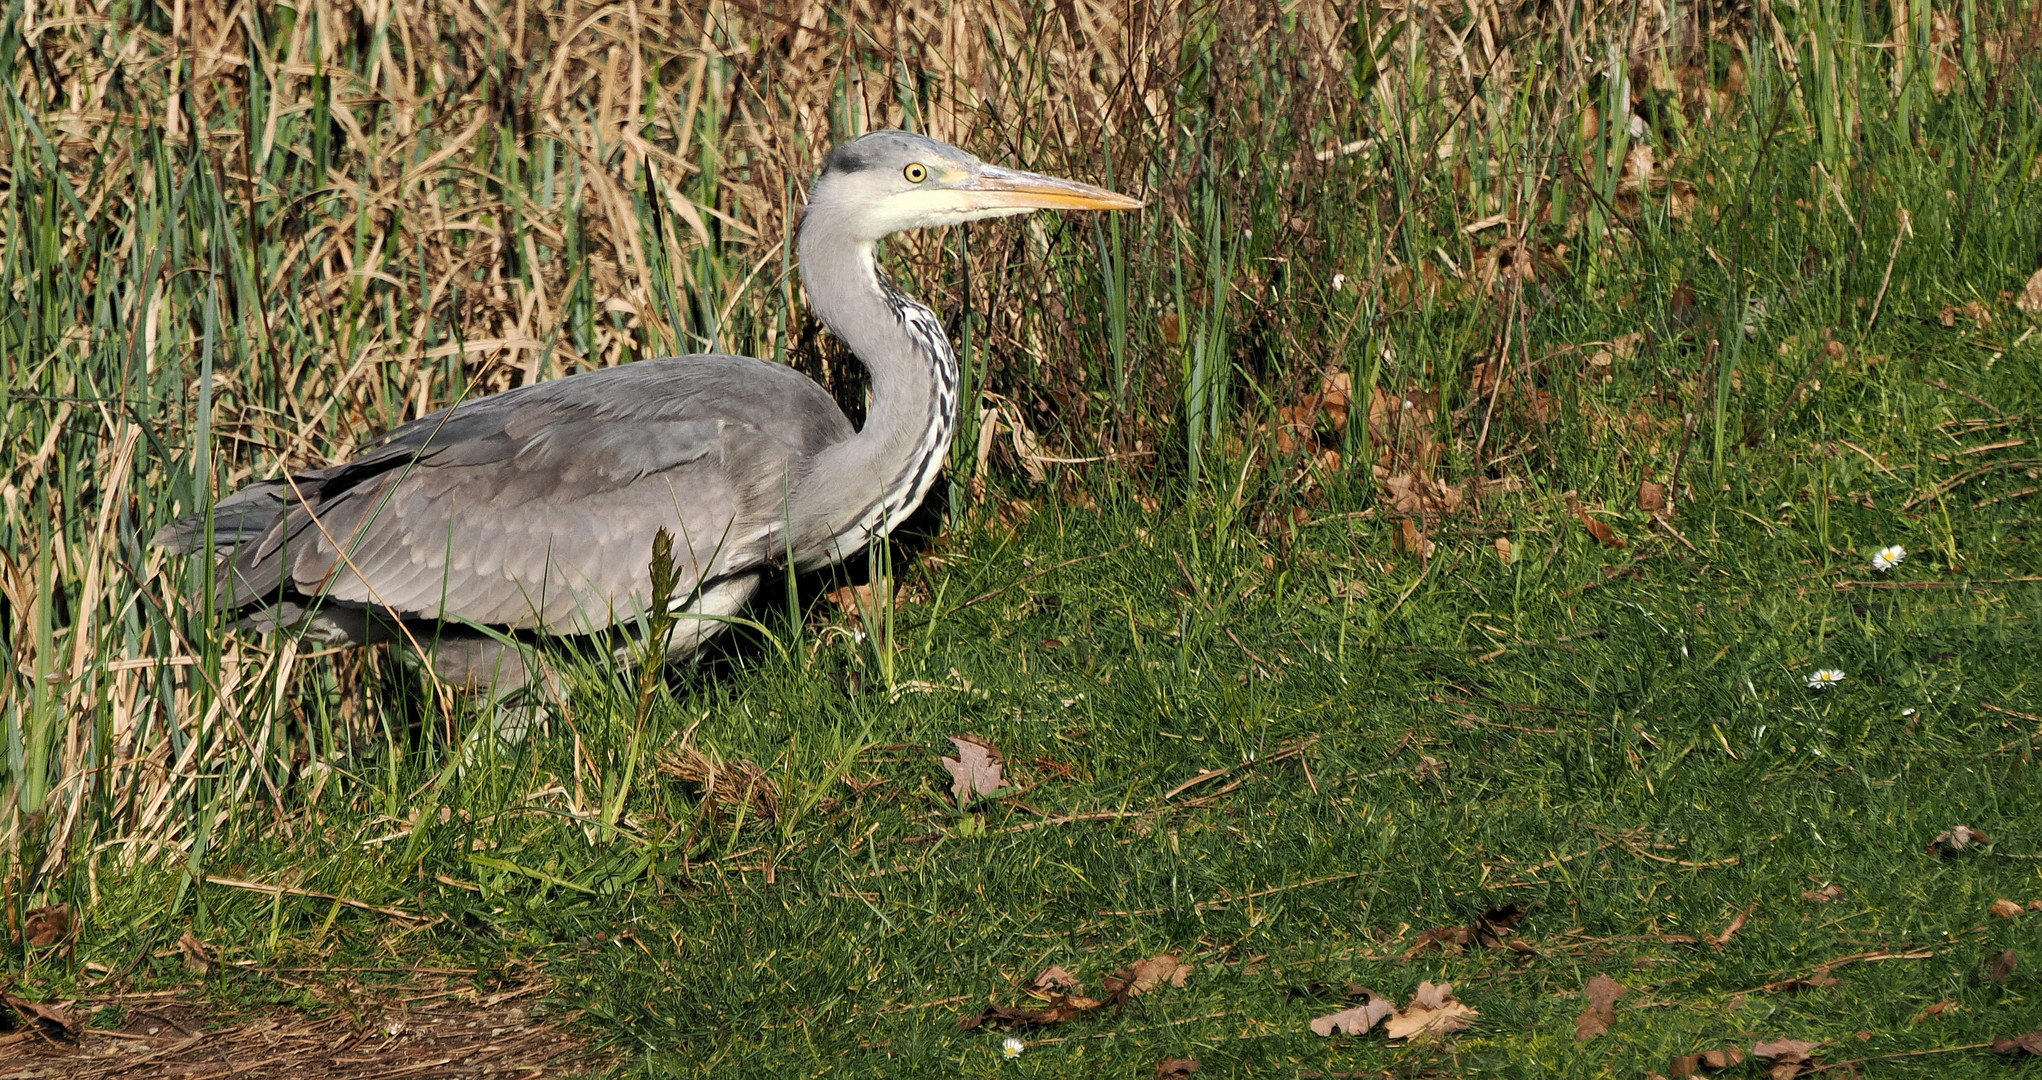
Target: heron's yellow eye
<point>916,173</point>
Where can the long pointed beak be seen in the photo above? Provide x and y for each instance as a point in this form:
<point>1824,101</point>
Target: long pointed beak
<point>1011,189</point>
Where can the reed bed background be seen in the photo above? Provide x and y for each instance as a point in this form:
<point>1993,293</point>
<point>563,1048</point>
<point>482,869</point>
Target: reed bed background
<point>241,237</point>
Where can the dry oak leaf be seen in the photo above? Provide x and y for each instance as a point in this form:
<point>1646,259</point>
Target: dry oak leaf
<point>1013,1017</point>
<point>2030,299</point>
<point>2030,1044</point>
<point>1418,495</point>
<point>1057,977</point>
<point>1433,1011</point>
<point>1493,926</point>
<point>975,770</point>
<point>1356,1020</point>
<point>1941,1008</point>
<point>46,926</point>
<point>1602,993</point>
<point>1955,839</point>
<point>1144,976</point>
<point>53,1020</point>
<point>1169,1067</point>
<point>2007,909</point>
<point>2002,966</point>
<point>1444,938</point>
<point>1789,1057</point>
<point>1707,1061</point>
<point>1827,894</point>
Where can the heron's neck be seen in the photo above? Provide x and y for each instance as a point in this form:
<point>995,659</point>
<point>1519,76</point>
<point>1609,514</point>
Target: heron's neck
<point>875,479</point>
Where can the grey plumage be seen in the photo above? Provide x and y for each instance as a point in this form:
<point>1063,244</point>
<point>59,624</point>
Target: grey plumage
<point>534,509</point>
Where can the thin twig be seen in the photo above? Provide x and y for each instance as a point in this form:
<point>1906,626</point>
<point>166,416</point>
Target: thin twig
<point>309,894</point>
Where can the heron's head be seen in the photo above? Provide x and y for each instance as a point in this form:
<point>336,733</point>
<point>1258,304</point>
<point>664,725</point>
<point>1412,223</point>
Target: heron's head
<point>893,180</point>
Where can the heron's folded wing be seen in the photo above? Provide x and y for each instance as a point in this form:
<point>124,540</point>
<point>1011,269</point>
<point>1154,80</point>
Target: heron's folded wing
<point>533,526</point>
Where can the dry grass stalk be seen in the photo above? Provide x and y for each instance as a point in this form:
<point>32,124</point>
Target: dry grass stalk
<point>724,785</point>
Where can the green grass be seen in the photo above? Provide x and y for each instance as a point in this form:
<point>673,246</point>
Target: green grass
<point>1407,742</point>
<point>1584,704</point>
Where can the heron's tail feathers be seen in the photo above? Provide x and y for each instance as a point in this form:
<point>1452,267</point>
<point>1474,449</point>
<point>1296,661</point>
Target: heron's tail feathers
<point>238,518</point>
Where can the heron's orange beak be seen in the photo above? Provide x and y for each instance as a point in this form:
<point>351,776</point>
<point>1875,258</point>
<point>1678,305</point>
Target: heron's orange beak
<point>995,188</point>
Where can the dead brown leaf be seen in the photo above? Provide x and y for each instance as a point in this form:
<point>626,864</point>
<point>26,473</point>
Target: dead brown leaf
<point>1707,1061</point>
<point>1505,550</point>
<point>1015,1017</point>
<point>1433,1012</point>
<point>1975,311</point>
<point>1828,894</point>
<point>1603,534</point>
<point>1358,1019</point>
<point>1623,348</point>
<point>1416,495</point>
<point>1955,839</point>
<point>1411,539</point>
<point>197,958</point>
<point>2007,909</point>
<point>1491,929</point>
<point>975,771</point>
<point>1145,975</point>
<point>1941,1008</point>
<point>1445,938</point>
<point>51,1020</point>
<point>1814,980</point>
<point>1602,993</point>
<point>1788,1057</point>
<point>1653,499</point>
<point>1336,394</point>
<point>2002,966</point>
<point>859,603</point>
<point>2030,300</point>
<point>1057,977</point>
<point>45,926</point>
<point>1400,429</point>
<point>1169,1067</point>
<point>2029,1044</point>
<point>1730,929</point>
<point>1494,927</point>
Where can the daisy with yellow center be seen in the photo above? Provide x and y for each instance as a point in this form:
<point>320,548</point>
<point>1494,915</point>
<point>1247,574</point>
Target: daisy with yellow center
<point>1825,678</point>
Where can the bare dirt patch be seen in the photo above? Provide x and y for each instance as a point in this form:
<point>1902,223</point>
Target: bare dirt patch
<point>179,1036</point>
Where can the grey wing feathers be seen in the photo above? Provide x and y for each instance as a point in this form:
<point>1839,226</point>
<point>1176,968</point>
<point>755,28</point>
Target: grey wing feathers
<point>244,515</point>
<point>536,508</point>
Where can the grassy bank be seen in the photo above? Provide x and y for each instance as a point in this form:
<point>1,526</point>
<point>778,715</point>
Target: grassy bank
<point>1416,288</point>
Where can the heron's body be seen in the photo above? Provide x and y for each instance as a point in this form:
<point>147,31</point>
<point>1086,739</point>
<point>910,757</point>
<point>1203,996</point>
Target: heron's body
<point>535,509</point>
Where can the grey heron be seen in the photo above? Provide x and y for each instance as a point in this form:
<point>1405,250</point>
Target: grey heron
<point>533,511</point>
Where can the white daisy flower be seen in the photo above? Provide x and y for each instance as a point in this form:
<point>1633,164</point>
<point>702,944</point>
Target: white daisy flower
<point>1012,1047</point>
<point>1888,557</point>
<point>1339,281</point>
<point>1826,677</point>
